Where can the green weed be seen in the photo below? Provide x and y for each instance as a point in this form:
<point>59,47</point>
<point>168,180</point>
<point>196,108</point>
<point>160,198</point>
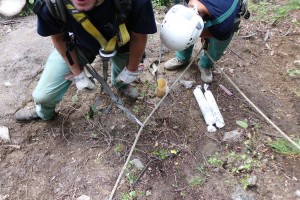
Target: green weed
<point>283,146</point>
<point>138,109</point>
<point>201,169</point>
<point>130,173</point>
<point>27,10</point>
<point>161,154</point>
<point>272,13</point>
<point>244,181</point>
<point>74,98</point>
<point>215,160</point>
<point>118,148</point>
<point>195,181</point>
<point>132,195</point>
<point>158,3</point>
<point>293,72</point>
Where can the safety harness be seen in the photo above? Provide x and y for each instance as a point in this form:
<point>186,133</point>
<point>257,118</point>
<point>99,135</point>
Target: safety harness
<point>244,12</point>
<point>58,9</point>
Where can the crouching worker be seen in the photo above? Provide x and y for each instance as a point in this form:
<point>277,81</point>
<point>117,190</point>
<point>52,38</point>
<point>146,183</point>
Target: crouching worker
<point>116,28</point>
<point>213,20</point>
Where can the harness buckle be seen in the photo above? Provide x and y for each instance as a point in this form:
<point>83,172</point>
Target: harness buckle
<point>107,55</point>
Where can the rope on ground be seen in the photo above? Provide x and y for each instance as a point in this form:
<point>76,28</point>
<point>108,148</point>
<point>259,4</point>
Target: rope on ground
<point>253,105</point>
<point>145,122</point>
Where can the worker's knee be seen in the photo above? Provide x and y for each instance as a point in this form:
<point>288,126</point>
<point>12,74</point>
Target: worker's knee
<point>42,97</point>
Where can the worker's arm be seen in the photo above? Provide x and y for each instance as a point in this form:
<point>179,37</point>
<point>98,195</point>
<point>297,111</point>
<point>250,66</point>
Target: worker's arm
<point>79,76</point>
<point>137,47</point>
<point>60,45</point>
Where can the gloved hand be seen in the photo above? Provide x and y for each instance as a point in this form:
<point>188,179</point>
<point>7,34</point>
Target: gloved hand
<point>83,82</point>
<point>127,76</point>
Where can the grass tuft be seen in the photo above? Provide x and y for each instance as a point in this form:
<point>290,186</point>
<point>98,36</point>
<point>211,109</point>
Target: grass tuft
<point>283,146</point>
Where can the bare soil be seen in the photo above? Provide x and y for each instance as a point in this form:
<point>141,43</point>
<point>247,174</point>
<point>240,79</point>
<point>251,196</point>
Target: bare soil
<point>82,151</point>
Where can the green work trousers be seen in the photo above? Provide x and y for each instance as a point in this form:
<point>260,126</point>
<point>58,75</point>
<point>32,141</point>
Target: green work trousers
<point>52,85</point>
<point>216,49</point>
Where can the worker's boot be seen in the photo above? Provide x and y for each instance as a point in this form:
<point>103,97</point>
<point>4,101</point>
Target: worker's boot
<point>174,64</point>
<point>206,74</point>
<point>26,115</point>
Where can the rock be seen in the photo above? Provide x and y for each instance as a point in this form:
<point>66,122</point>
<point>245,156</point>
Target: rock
<point>5,197</point>
<point>297,62</point>
<point>7,84</point>
<point>138,164</point>
<point>241,194</point>
<point>232,136</point>
<point>297,194</point>
<point>187,84</point>
<point>4,134</point>
<point>11,8</point>
<point>148,193</point>
<point>83,197</point>
<point>252,181</point>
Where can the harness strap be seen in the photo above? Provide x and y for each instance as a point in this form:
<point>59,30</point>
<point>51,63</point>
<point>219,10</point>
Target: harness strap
<point>107,46</point>
<point>124,36</point>
<point>223,17</point>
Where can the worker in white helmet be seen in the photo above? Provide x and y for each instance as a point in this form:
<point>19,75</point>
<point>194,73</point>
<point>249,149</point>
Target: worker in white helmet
<point>215,20</point>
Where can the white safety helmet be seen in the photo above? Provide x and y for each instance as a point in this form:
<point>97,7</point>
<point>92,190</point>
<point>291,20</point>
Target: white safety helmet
<point>180,28</point>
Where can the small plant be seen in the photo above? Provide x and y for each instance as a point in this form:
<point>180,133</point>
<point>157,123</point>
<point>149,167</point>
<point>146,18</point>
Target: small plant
<point>242,124</point>
<point>138,109</point>
<point>201,170</point>
<point>161,154</point>
<point>27,10</point>
<point>245,182</point>
<point>293,72</point>
<point>158,3</point>
<point>215,160</point>
<point>198,180</point>
<point>94,135</point>
<point>92,112</point>
<point>74,98</point>
<point>238,163</point>
<point>132,195</point>
<point>265,11</point>
<point>283,146</point>
<point>130,173</point>
<point>257,126</point>
<point>282,11</point>
<point>118,149</point>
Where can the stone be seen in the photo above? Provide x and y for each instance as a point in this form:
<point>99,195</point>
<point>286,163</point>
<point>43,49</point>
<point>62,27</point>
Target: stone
<point>11,8</point>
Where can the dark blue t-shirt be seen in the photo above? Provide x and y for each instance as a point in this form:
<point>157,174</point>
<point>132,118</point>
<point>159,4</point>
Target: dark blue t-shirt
<point>216,8</point>
<point>140,20</point>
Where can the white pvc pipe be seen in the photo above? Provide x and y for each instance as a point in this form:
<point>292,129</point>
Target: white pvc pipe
<point>205,109</point>
<point>214,107</point>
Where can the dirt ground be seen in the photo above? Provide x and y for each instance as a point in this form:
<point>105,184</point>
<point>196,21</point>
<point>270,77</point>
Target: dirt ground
<point>83,150</point>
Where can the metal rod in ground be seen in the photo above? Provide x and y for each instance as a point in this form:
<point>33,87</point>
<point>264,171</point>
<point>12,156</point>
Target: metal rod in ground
<point>253,105</point>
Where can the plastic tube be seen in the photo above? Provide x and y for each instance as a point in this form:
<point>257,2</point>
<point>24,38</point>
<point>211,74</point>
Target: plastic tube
<point>214,107</point>
<point>205,109</point>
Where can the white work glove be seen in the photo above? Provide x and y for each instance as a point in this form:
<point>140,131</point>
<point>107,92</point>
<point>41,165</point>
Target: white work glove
<point>127,76</point>
<point>83,82</point>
